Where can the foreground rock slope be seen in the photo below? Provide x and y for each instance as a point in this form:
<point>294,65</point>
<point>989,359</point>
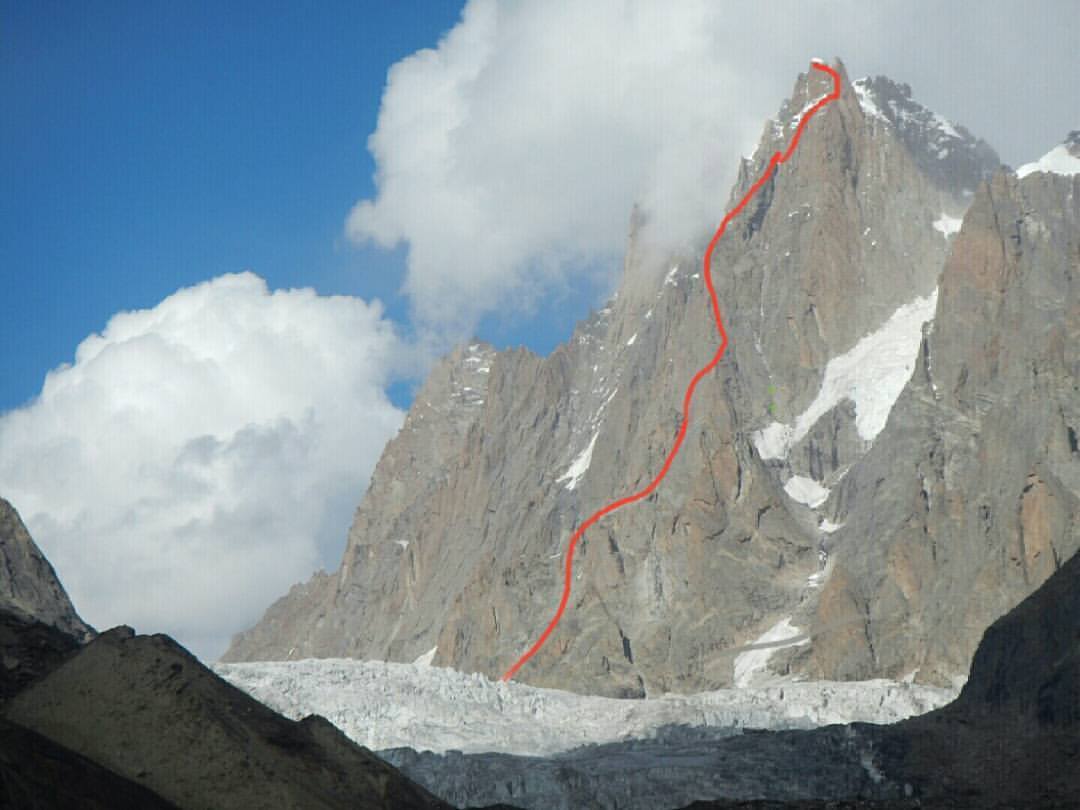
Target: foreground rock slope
<point>126,721</point>
<point>144,708</point>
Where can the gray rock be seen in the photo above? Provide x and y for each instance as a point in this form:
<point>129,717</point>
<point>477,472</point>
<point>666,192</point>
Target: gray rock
<point>28,584</point>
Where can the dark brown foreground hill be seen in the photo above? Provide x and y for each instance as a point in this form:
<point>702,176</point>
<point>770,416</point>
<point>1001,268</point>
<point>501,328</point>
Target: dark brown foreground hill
<point>149,711</point>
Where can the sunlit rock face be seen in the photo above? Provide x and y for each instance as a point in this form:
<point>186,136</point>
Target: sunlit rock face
<point>892,414</point>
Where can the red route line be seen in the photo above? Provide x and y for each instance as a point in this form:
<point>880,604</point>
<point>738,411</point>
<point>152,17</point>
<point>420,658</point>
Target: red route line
<point>776,160</point>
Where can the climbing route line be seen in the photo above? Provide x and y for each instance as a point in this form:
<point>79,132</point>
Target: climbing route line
<point>776,160</point>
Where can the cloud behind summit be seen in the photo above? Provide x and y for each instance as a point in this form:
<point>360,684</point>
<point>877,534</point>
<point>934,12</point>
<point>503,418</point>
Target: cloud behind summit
<point>511,154</point>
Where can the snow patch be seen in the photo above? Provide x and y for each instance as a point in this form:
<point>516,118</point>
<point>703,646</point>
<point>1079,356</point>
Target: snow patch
<point>426,659</point>
<point>1056,161</point>
<point>773,441</point>
<point>871,374</point>
<point>670,277</point>
<point>947,225</point>
<point>751,665</point>
<point>806,490</point>
<point>829,527</point>
<point>403,543</point>
<point>809,105</point>
<point>866,101</point>
<point>579,465</point>
<point>632,339</point>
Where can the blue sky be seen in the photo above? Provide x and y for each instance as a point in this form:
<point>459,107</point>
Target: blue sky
<point>146,146</point>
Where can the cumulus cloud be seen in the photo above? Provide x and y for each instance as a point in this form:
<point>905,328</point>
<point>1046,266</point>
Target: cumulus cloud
<point>512,153</point>
<point>198,458</point>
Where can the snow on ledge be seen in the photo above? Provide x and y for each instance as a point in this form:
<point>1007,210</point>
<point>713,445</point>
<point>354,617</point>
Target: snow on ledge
<point>871,374</point>
<point>806,490</point>
<point>947,225</point>
<point>426,659</point>
<point>751,665</point>
<point>578,466</point>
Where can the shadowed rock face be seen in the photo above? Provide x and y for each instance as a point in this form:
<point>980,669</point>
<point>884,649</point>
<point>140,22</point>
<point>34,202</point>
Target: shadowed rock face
<point>1013,735</point>
<point>29,650</point>
<point>146,710</point>
<point>38,774</point>
<point>962,505</point>
<point>28,584</point>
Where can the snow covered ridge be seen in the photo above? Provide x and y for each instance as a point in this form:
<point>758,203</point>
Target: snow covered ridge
<point>1062,159</point>
<point>892,103</point>
<point>871,374</point>
<point>383,705</point>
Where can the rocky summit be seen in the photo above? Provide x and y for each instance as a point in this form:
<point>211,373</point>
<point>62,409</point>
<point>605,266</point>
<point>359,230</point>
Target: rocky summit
<point>30,587</point>
<point>882,464</point>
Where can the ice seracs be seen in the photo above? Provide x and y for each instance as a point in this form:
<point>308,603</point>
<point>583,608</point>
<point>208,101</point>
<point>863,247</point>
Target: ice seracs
<point>871,374</point>
<point>384,705</point>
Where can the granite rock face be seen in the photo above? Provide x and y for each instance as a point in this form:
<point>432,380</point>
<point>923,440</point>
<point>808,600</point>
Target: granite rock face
<point>883,462</point>
<point>970,498</point>
<point>28,584</point>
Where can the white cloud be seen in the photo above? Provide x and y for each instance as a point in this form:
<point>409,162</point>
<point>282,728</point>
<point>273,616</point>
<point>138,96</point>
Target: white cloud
<point>512,153</point>
<point>517,147</point>
<point>200,457</point>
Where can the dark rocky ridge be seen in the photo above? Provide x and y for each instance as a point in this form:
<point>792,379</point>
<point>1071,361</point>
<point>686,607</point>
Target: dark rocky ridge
<point>143,708</point>
<point>948,153</point>
<point>38,774</point>
<point>29,650</point>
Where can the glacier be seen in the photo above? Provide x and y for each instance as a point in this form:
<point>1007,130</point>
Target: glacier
<point>384,705</point>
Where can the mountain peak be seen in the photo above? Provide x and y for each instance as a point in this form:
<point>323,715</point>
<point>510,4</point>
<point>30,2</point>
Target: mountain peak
<point>949,154</point>
<point>31,587</point>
